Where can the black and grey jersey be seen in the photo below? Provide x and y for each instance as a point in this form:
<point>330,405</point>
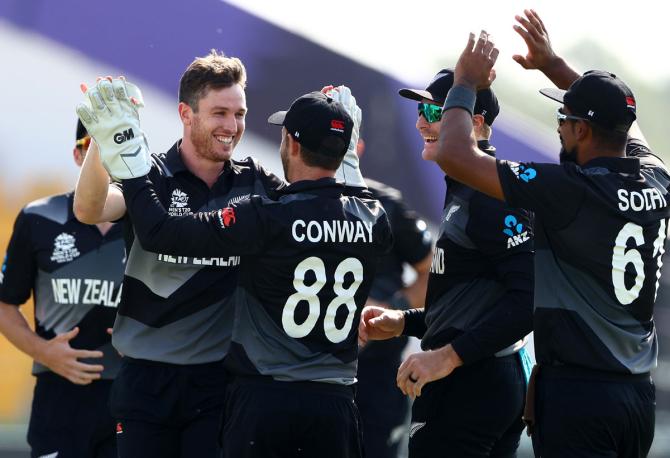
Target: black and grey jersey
<point>73,271</point>
<point>479,295</point>
<point>412,241</point>
<point>308,260</point>
<point>601,231</point>
<point>177,309</point>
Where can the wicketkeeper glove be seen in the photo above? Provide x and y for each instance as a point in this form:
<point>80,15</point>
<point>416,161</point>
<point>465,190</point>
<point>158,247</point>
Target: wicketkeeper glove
<point>349,171</point>
<point>112,119</point>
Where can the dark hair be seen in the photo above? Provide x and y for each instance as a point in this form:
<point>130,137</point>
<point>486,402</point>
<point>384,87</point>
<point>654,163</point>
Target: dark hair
<point>81,130</point>
<point>214,71</point>
<point>613,140</point>
<point>323,161</point>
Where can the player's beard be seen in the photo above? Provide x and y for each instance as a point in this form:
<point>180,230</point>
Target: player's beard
<point>283,154</point>
<point>205,144</point>
<point>566,155</point>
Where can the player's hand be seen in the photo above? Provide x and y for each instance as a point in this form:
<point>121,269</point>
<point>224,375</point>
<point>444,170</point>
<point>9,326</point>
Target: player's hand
<point>349,170</point>
<point>110,114</point>
<point>62,359</point>
<point>378,323</point>
<point>540,54</point>
<point>474,68</point>
<point>424,367</point>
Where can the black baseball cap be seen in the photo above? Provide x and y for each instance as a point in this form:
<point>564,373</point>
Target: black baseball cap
<point>486,104</point>
<point>318,123</point>
<point>599,97</point>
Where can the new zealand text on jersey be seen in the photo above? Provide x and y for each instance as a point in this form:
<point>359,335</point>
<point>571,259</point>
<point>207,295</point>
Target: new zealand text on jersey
<point>221,262</point>
<point>95,291</point>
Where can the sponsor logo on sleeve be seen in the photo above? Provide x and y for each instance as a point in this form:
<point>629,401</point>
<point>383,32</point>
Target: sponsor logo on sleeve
<point>515,231</point>
<point>2,270</point>
<point>523,172</point>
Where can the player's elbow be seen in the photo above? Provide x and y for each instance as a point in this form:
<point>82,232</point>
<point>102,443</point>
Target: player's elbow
<point>87,214</point>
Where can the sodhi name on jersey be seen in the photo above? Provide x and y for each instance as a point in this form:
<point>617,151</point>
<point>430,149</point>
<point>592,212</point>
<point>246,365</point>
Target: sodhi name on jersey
<point>648,199</point>
<point>95,291</point>
<point>332,231</point>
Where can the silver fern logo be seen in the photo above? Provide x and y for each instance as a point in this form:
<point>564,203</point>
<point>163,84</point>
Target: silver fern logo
<point>64,248</point>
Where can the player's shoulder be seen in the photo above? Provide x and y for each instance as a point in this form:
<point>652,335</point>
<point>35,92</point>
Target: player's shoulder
<point>57,207</point>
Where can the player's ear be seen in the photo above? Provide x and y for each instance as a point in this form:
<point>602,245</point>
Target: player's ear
<point>78,156</point>
<point>477,121</point>
<point>185,113</point>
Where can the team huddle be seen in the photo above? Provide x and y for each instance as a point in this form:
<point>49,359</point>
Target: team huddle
<point>192,304</point>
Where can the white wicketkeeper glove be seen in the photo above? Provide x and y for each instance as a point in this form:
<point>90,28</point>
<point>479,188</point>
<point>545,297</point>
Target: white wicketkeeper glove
<point>349,170</point>
<point>113,121</point>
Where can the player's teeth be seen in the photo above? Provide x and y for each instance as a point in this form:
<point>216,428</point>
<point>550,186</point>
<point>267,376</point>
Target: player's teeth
<point>224,140</point>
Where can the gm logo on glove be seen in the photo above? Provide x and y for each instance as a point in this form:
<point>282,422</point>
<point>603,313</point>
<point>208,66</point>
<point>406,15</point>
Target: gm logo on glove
<point>121,137</point>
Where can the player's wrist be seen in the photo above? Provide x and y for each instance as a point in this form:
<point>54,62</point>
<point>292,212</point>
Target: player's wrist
<point>461,95</point>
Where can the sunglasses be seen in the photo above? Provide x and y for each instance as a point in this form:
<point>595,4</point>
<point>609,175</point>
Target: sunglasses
<point>562,117</point>
<point>83,142</point>
<point>432,113</point>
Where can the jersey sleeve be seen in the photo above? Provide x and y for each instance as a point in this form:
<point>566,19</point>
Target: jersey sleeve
<point>19,267</point>
<point>268,182</point>
<point>554,192</point>
<point>510,319</point>
<point>498,229</point>
<point>234,230</point>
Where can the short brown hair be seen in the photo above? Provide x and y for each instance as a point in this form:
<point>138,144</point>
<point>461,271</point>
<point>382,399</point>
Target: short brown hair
<point>314,159</point>
<point>214,71</point>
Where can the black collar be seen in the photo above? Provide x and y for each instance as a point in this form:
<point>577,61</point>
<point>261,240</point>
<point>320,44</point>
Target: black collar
<point>322,186</point>
<point>175,163</point>
<point>627,165</point>
<point>486,147</point>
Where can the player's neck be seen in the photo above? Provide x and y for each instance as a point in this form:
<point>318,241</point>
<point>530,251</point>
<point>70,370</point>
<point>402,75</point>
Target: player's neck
<point>303,172</point>
<point>202,167</point>
<point>591,154</point>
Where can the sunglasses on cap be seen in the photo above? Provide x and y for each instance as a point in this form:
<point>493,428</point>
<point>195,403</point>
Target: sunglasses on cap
<point>83,142</point>
<point>562,117</point>
<point>432,113</point>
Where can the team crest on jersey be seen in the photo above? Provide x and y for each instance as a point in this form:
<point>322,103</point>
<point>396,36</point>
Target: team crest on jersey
<point>64,248</point>
<point>516,232</point>
<point>522,172</point>
<point>179,203</point>
<point>227,216</point>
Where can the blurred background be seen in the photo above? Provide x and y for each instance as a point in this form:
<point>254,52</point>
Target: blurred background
<point>291,47</point>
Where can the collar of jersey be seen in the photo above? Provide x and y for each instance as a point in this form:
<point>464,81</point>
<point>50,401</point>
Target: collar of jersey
<point>327,186</point>
<point>629,165</point>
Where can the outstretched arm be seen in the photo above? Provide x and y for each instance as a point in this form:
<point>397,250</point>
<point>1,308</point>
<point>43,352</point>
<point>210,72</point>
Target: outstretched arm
<point>458,154</point>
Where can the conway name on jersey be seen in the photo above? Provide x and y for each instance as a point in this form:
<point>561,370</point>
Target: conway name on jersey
<point>308,261</point>
<point>600,237</point>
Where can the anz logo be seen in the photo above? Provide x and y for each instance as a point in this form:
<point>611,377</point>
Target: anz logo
<point>515,232</point>
<point>523,172</point>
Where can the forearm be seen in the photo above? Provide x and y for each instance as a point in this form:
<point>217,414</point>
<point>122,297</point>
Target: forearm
<point>91,192</point>
<point>560,73</point>
<point>15,328</point>
<point>157,231</point>
<point>510,320</point>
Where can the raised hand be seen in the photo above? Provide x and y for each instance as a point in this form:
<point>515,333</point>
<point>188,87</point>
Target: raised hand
<point>62,359</point>
<point>474,68</point>
<point>110,114</point>
<point>540,54</point>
